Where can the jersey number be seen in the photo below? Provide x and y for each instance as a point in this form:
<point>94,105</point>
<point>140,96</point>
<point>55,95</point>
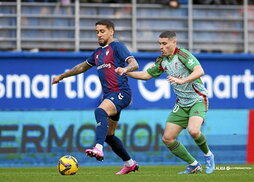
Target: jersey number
<point>176,108</point>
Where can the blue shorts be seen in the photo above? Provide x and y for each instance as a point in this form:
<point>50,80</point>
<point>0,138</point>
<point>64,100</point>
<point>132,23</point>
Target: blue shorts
<point>120,99</point>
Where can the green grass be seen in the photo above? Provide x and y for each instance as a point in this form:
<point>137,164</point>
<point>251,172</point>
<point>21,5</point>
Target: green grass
<point>145,174</point>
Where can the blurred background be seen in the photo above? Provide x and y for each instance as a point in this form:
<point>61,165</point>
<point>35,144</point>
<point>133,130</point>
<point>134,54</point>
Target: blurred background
<point>66,25</point>
<point>39,122</point>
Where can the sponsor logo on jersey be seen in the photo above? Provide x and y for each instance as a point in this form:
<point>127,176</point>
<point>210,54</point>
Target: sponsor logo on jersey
<point>104,66</point>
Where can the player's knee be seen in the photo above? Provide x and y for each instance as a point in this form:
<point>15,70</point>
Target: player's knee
<point>109,139</point>
<point>194,132</point>
<point>110,132</point>
<point>167,140</point>
<point>100,113</point>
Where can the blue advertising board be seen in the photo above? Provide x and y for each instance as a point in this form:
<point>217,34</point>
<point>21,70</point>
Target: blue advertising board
<point>40,138</point>
<point>25,82</point>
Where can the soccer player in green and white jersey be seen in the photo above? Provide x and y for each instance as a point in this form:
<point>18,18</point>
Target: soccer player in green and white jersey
<point>184,72</point>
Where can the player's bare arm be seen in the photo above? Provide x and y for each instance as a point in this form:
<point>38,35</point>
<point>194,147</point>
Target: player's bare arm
<point>197,73</point>
<point>132,66</point>
<point>141,75</point>
<point>80,68</point>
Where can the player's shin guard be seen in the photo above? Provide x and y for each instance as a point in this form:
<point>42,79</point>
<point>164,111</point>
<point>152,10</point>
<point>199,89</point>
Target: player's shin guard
<point>117,146</point>
<point>201,142</point>
<point>102,125</point>
<point>180,151</point>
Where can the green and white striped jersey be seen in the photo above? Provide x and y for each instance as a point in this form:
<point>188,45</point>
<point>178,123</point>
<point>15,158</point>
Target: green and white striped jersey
<point>180,65</point>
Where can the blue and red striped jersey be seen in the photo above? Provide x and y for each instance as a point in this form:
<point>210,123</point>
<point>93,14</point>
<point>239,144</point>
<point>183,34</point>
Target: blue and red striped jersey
<point>107,59</point>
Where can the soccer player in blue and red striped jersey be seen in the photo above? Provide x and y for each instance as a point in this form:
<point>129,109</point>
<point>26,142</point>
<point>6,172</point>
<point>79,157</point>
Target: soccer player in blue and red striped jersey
<point>110,60</point>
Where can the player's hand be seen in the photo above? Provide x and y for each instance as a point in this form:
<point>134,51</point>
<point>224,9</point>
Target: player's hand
<point>175,80</point>
<point>56,79</point>
<point>121,70</point>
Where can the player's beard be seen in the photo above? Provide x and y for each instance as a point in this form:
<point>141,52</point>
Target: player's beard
<point>102,43</point>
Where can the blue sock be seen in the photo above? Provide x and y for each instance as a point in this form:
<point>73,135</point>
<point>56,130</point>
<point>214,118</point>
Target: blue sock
<point>102,125</point>
<point>117,146</point>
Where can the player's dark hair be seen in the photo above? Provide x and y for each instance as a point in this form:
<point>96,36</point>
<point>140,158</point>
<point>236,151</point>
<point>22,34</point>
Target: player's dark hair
<point>168,34</point>
<point>107,23</point>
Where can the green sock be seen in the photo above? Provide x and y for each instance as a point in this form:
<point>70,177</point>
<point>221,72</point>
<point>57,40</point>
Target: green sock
<point>201,142</point>
<point>180,151</point>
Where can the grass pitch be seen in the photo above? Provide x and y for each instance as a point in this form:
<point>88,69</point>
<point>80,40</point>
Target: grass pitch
<point>224,173</point>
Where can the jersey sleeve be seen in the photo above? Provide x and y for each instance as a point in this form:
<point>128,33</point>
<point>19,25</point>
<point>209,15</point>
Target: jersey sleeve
<point>123,52</point>
<point>90,60</point>
<point>156,70</point>
<point>188,59</point>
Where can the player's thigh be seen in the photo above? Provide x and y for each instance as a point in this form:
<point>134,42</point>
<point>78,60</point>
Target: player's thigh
<point>197,117</point>
<point>171,131</point>
<point>195,123</point>
<point>108,107</point>
<point>118,100</point>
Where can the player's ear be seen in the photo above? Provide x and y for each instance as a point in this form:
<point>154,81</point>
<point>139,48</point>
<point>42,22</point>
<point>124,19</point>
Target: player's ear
<point>174,41</point>
<point>111,31</point>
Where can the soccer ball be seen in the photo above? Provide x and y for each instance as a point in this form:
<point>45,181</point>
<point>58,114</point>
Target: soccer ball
<point>67,165</point>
